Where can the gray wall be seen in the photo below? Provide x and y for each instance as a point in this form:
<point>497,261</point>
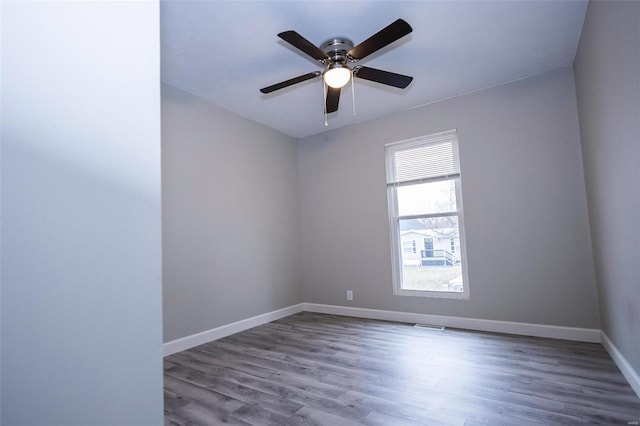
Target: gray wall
<point>607,70</point>
<point>81,255</point>
<point>528,244</point>
<point>230,217</point>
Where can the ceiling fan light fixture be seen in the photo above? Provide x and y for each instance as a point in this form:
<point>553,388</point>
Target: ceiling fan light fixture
<point>337,76</point>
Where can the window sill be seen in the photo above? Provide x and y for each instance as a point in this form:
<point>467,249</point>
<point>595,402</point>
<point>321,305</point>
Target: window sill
<point>433,294</point>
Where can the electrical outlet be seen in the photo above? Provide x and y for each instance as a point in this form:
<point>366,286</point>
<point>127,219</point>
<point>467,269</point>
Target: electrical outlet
<point>349,295</point>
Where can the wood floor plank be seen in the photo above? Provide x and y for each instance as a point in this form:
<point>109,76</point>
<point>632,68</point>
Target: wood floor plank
<point>204,397</point>
<point>257,415</point>
<point>381,419</point>
<point>219,384</point>
<point>311,416</point>
<point>330,370</point>
<point>195,414</point>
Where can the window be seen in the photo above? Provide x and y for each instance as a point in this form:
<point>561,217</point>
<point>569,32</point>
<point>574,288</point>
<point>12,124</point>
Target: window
<point>425,203</point>
<point>409,246</point>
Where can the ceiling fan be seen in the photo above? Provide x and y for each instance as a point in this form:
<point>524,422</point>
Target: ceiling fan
<point>337,55</point>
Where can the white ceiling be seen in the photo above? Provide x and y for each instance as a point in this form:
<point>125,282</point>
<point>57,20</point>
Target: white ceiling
<point>225,51</point>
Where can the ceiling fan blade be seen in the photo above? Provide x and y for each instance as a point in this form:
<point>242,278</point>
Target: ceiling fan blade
<point>290,82</point>
<point>297,41</point>
<point>333,98</point>
<point>385,36</point>
<point>383,77</point>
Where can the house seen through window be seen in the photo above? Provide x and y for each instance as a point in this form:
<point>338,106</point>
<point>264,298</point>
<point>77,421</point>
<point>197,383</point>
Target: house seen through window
<point>425,213</point>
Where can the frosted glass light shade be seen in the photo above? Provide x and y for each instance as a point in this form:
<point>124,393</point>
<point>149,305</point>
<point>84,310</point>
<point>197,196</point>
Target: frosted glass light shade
<point>337,77</point>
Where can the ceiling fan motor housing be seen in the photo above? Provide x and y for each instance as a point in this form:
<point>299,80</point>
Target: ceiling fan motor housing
<point>337,49</point>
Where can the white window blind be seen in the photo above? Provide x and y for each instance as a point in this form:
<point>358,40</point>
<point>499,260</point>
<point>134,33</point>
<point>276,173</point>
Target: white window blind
<point>423,159</point>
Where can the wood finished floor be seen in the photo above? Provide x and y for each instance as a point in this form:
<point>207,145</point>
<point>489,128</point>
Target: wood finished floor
<point>315,369</point>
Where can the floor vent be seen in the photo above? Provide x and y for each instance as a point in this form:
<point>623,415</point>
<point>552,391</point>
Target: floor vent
<point>430,326</point>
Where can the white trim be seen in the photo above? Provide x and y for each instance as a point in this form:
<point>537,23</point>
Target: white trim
<point>627,370</point>
<point>450,136</point>
<point>460,295</point>
<point>193,340</point>
<point>519,328</point>
<point>419,140</point>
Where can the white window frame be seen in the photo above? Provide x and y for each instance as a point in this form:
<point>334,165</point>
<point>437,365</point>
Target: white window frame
<point>394,217</point>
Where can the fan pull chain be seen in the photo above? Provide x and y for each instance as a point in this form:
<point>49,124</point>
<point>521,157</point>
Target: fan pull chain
<point>324,108</point>
<point>353,94</point>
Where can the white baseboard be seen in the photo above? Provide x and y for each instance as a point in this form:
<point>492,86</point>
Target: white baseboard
<point>628,372</point>
<point>523,329</point>
<point>194,340</point>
